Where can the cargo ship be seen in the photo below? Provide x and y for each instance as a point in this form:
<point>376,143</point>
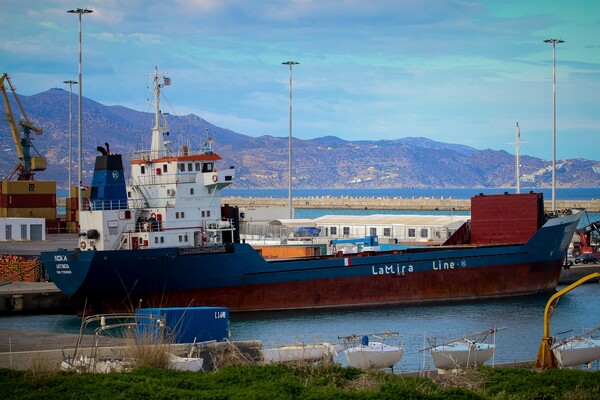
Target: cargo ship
<point>161,238</point>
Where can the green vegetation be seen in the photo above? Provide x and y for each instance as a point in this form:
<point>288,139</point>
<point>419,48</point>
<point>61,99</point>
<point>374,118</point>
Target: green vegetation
<point>301,382</point>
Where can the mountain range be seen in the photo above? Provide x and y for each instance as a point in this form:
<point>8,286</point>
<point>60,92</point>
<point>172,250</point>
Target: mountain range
<point>262,162</point>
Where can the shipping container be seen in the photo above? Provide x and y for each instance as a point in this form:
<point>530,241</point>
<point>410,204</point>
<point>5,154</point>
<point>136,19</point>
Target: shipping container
<point>48,213</point>
<point>193,324</point>
<point>55,226</point>
<point>71,215</point>
<point>73,192</point>
<point>29,187</point>
<point>72,203</point>
<point>291,251</point>
<point>71,227</point>
<point>27,200</point>
<point>512,218</point>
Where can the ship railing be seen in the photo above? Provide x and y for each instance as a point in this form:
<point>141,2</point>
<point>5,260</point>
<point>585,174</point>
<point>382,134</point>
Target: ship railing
<point>137,204</point>
<point>148,155</point>
<point>103,205</point>
<point>164,179</point>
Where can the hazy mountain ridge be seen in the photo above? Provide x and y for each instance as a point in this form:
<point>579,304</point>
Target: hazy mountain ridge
<point>262,162</point>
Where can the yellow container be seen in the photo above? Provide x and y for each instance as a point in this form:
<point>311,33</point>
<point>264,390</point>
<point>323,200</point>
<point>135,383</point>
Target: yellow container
<point>46,213</point>
<point>29,187</point>
<point>71,227</point>
<point>288,251</point>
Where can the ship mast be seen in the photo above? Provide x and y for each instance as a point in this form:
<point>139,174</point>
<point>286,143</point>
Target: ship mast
<point>157,148</point>
<point>518,159</point>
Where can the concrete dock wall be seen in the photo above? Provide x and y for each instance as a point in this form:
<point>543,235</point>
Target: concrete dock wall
<point>386,203</point>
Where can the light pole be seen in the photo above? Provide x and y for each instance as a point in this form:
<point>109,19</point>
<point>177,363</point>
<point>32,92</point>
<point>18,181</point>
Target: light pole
<point>70,83</point>
<point>554,43</point>
<point>291,64</point>
<point>80,12</point>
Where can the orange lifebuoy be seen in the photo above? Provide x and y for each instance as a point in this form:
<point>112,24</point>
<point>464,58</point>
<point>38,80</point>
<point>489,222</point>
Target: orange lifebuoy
<point>215,178</point>
<point>82,245</point>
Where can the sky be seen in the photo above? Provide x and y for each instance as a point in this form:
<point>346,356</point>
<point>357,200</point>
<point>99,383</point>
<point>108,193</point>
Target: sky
<point>455,71</point>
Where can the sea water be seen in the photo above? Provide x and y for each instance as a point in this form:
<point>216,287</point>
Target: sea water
<point>522,318</point>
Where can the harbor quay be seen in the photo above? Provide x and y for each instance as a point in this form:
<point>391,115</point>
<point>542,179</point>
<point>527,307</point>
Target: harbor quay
<point>386,203</point>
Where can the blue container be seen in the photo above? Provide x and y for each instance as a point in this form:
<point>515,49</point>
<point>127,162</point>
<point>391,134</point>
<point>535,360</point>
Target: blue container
<point>187,324</point>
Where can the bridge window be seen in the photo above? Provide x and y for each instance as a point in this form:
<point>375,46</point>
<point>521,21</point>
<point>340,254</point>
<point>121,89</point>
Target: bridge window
<point>181,167</point>
<point>208,167</point>
<point>412,232</point>
<point>346,231</point>
<point>142,169</point>
<point>387,232</point>
<point>190,167</point>
<point>333,231</point>
<point>165,167</point>
<point>197,166</point>
<point>372,231</point>
<point>424,232</point>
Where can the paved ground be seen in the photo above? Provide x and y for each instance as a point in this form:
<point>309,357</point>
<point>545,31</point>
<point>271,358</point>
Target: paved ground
<point>52,242</point>
<point>19,340</point>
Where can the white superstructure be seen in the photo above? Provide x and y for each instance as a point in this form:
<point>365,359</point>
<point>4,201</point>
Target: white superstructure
<point>173,197</point>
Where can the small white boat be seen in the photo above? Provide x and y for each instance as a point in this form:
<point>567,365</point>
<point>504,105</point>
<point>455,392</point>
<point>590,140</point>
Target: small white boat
<point>84,364</point>
<point>372,354</point>
<point>461,353</point>
<point>299,352</point>
<point>465,352</point>
<point>193,364</point>
<point>577,350</point>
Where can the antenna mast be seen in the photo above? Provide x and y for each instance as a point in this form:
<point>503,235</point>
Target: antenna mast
<point>518,159</point>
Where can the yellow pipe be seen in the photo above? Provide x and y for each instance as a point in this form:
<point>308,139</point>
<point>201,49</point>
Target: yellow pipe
<point>545,357</point>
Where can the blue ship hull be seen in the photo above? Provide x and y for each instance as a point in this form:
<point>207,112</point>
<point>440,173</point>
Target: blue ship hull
<point>238,277</point>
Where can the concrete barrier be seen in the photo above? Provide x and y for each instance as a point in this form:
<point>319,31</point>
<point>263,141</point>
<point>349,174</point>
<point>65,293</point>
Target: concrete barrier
<point>386,203</point>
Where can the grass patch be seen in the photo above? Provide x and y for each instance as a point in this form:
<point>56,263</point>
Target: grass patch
<point>279,381</point>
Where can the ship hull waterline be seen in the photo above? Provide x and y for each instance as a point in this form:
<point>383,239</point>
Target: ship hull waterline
<point>243,281</point>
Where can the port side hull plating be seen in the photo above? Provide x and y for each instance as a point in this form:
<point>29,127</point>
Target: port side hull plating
<point>243,281</point>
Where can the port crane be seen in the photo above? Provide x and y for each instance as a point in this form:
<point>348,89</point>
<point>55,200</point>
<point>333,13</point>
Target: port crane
<point>28,163</point>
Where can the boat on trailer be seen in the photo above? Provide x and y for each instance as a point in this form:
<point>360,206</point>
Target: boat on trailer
<point>162,237</point>
<point>300,352</point>
<point>464,352</point>
<point>577,350</point>
<point>367,354</point>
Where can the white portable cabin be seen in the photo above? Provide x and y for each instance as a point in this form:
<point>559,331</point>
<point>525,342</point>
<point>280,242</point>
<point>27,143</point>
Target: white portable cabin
<point>21,229</point>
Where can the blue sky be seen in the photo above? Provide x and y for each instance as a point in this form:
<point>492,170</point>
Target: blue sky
<point>457,71</point>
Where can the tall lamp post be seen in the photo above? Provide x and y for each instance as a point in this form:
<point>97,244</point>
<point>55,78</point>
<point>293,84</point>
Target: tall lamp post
<point>554,42</point>
<point>70,83</point>
<point>80,12</point>
<point>291,64</point>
